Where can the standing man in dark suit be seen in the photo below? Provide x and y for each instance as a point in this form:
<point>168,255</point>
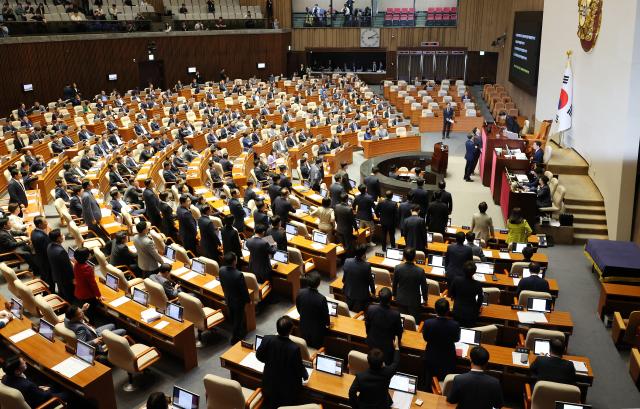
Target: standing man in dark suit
<point>457,254</point>
<point>441,334</point>
<point>534,282</point>
<point>188,227</point>
<point>283,370</point>
<point>17,190</point>
<point>75,202</point>
<point>209,241</point>
<point>122,256</point>
<point>421,196</point>
<point>260,249</point>
<point>383,325</point>
<point>373,183</point>
<point>370,388</point>
<point>235,208</point>
<point>345,223</point>
<point>314,312</point>
<point>469,156</point>
<point>404,210</point>
<point>553,368</point>
<point>249,193</point>
<point>477,139</point>
<point>278,234</point>
<point>437,214</point>
<point>410,285</point>
<point>282,206</point>
<point>445,197</point>
<point>467,296</point>
<point>61,267</point>
<point>476,389</point>
<point>151,204</point>
<point>447,118</point>
<point>231,238</point>
<point>274,188</point>
<point>91,213</point>
<point>359,286</point>
<point>40,241</point>
<point>414,230</point>
<point>336,190</point>
<point>537,159</point>
<point>236,295</point>
<point>387,212</point>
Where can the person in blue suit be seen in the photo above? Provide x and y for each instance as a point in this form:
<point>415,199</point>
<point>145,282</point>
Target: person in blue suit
<point>470,153</point>
<point>538,154</point>
<point>447,117</point>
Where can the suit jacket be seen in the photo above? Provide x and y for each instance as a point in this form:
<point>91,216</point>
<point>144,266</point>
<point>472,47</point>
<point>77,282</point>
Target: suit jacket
<point>33,395</point>
<point>274,191</point>
<point>188,227</point>
<point>75,206</point>
<point>467,299</point>
<point>470,150</point>
<point>553,369</point>
<point>314,316</point>
<point>335,191</point>
<point>40,241</point>
<point>382,324</point>
<point>357,279</point>
<point>445,197</point>
<point>148,257</point>
<point>447,113</point>
<point>373,386</point>
<point>533,283</point>
<point>481,225</point>
<point>414,231</point>
<point>83,331</point>
<point>283,371</point>
<point>234,286</point>
<point>122,256</point>
<point>259,261</point>
<point>17,193</point>
<point>404,212</point>
<point>279,236</point>
<point>373,186</point>
<point>231,241</point>
<point>282,207</point>
<point>235,208</point>
<point>543,198</point>
<point>90,209</point>
<point>260,218</point>
<point>345,219</point>
<point>441,335</point>
<point>167,285</point>
<point>364,205</point>
<point>409,282</point>
<point>538,157</point>
<point>249,194</point>
<point>421,198</point>
<point>86,163</point>
<point>151,204</point>
<point>209,241</point>
<point>476,390</point>
<point>454,259</point>
<point>387,212</point>
<point>437,217</point>
<point>61,270</point>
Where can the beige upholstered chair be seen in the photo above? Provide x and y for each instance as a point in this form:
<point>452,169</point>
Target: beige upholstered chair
<point>308,353</point>
<point>546,394</point>
<point>211,266</point>
<point>260,291</point>
<point>304,266</point>
<point>182,255</point>
<point>36,286</point>
<point>381,276</point>
<point>488,334</point>
<point>517,267</point>
<point>438,238</point>
<point>29,300</point>
<point>225,393</point>
<point>157,296</point>
<point>131,358</point>
<point>539,333</point>
<point>47,311</point>
<point>357,362</point>
<point>68,336</point>
<point>491,295</point>
<point>625,330</point>
<point>302,228</point>
<point>409,323</point>
<point>79,239</point>
<point>11,398</point>
<point>526,294</point>
<point>433,287</point>
<point>442,388</point>
<point>125,284</point>
<point>203,318</point>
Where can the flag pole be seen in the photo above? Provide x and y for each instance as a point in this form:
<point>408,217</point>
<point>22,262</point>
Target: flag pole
<point>562,133</point>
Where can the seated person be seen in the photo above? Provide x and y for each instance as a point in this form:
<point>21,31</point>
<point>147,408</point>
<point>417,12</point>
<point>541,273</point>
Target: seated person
<point>76,321</point>
<point>534,282</point>
<point>163,277</point>
<point>553,368</point>
<point>14,377</point>
<point>543,195</point>
<point>476,389</point>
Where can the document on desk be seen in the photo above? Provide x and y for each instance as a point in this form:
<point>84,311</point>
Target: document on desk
<point>479,277</point>
<point>521,156</point>
<point>119,301</point>
<point>22,335</point>
<point>211,284</point>
<point>250,361</point>
<point>105,212</point>
<point>530,317</point>
<point>516,281</point>
<point>580,366</point>
<point>161,325</point>
<point>70,367</point>
<point>439,271</point>
<point>166,260</point>
<point>112,224</point>
<point>462,349</point>
<point>294,314</point>
<point>180,271</point>
<point>516,357</point>
<point>451,230</point>
<point>390,262</point>
<point>505,256</point>
<point>201,190</point>
<point>309,372</point>
<point>522,178</point>
<point>189,275</point>
<point>402,400</point>
<point>317,246</point>
<point>487,253</point>
<point>149,315</point>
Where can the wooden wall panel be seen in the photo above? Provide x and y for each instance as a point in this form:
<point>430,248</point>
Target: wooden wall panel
<point>50,65</point>
<point>282,11</point>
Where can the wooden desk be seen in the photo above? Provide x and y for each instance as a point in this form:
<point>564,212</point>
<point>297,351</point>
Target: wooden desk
<point>392,145</point>
<point>232,145</point>
<point>198,141</point>
<point>94,383</point>
<point>500,163</point>
<point>285,278</point>
<point>335,159</point>
<point>618,297</point>
<point>492,139</point>
<point>324,256</point>
<point>510,199</point>
<point>177,338</point>
<point>328,390</point>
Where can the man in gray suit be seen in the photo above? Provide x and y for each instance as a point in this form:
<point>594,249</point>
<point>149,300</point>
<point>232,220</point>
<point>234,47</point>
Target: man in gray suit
<point>75,320</point>
<point>90,209</point>
<point>149,260</point>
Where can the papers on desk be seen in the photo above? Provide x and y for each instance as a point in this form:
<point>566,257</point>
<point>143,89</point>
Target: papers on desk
<point>487,253</point>
<point>112,224</point>
<point>201,190</point>
<point>180,271</point>
<point>166,260</point>
<point>105,212</point>
<point>225,209</point>
<point>161,325</point>
<point>505,256</point>
<point>462,349</point>
<point>22,335</point>
<point>439,271</point>
<point>309,371</point>
<point>451,230</point>
<point>402,400</point>
<point>132,248</point>
<point>70,367</point>
<point>522,178</point>
<point>580,366</point>
<point>189,275</point>
<point>294,314</point>
<point>315,197</point>
<point>245,253</point>
<point>250,361</point>
<point>211,284</point>
<point>119,301</point>
<point>516,357</point>
<point>521,156</point>
<point>530,317</point>
<point>317,246</point>
<point>150,315</point>
<point>290,236</point>
<point>479,277</point>
<point>516,281</point>
<point>389,262</point>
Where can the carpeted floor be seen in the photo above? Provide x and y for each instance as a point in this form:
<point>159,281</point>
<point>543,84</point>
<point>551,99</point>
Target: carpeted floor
<point>579,289</point>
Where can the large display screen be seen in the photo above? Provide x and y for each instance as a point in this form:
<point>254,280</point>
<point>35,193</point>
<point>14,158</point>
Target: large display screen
<point>525,50</point>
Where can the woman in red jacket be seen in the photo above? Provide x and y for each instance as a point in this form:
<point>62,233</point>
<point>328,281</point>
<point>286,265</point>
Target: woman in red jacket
<point>86,288</point>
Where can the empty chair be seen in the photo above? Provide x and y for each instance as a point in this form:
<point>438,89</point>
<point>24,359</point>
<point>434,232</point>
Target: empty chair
<point>295,257</point>
<point>443,388</point>
<point>131,358</point>
<point>517,267</point>
<point>229,394</point>
<point>546,394</point>
<point>125,284</point>
<point>408,322</point>
<point>634,366</point>
<point>157,295</point>
<point>302,228</point>
<point>203,318</point>
<point>381,276</point>
<point>308,353</point>
<point>343,308</point>
<point>526,294</point>
<point>36,286</point>
<point>260,291</point>
<point>488,334</point>
<point>438,238</point>
<point>80,241</point>
<point>625,330</point>
<point>29,300</point>
<point>491,295</point>
<point>357,362</point>
<point>433,287</point>
<point>211,267</point>
<point>539,333</point>
<point>47,311</point>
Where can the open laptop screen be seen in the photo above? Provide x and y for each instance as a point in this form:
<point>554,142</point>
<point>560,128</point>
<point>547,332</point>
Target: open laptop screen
<point>46,330</point>
<point>565,405</point>
<point>197,266</point>
<point>304,208</point>
<point>518,247</point>
<point>174,311</point>
<point>183,399</point>
<point>469,336</point>
<point>541,346</point>
<point>333,308</point>
<point>291,229</point>
<point>396,198</point>
<point>404,383</point>
<point>281,256</point>
<point>394,254</point>
<point>112,281</point>
<point>539,305</point>
<point>170,253</point>
<point>258,341</point>
<point>319,237</point>
<point>16,308</point>
<point>140,296</point>
<point>85,352</point>
<point>329,364</point>
<point>484,268</point>
<point>437,261</point>
<point>71,252</point>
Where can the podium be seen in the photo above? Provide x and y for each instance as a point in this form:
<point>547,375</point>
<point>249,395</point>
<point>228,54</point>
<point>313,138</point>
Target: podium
<point>440,159</point>
<point>492,138</point>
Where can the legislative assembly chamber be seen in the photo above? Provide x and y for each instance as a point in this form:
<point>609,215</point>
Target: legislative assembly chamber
<point>366,204</point>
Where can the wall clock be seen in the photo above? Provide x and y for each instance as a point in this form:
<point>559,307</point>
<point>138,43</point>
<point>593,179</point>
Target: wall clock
<point>589,18</point>
<point>369,37</point>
